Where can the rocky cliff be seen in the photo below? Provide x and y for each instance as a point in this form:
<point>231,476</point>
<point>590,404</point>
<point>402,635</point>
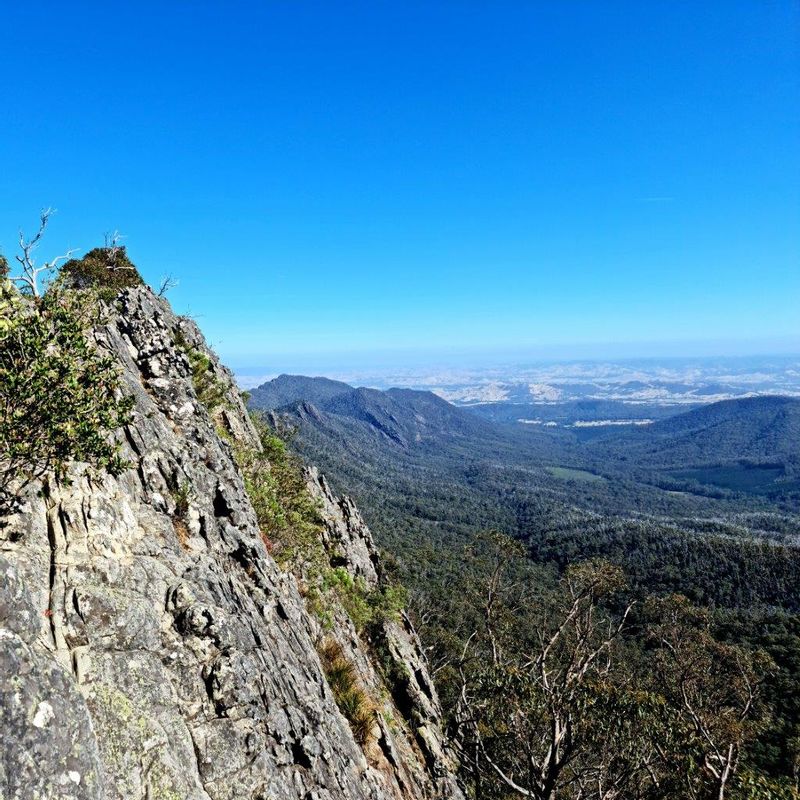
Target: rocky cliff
<point>148,651</point>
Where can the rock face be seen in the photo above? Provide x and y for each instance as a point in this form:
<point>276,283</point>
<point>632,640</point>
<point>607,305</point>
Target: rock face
<point>409,722</point>
<point>149,645</point>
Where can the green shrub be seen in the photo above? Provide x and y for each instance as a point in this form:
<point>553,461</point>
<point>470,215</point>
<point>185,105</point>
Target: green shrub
<point>751,785</point>
<point>181,496</point>
<point>106,269</point>
<point>368,609</point>
<point>351,593</point>
<point>288,515</point>
<point>209,388</point>
<point>60,399</point>
<point>388,602</point>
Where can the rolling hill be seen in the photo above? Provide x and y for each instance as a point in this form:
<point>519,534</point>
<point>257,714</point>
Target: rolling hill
<point>428,474</point>
<point>745,446</point>
<point>758,429</point>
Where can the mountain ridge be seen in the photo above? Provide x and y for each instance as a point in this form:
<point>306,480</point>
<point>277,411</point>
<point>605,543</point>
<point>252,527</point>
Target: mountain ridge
<point>763,428</point>
<point>757,428</point>
<point>286,389</point>
<point>152,646</point>
<point>553,489</point>
<point>402,416</point>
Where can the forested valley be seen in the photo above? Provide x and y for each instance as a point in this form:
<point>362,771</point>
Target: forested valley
<point>604,617</point>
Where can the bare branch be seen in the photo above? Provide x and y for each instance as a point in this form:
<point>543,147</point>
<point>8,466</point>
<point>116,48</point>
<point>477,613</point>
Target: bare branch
<point>30,270</point>
<point>167,283</point>
<point>112,245</point>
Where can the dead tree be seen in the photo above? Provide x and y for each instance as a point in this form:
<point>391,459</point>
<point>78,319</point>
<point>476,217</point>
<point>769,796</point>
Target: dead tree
<point>30,270</point>
<point>167,283</point>
<point>113,248</point>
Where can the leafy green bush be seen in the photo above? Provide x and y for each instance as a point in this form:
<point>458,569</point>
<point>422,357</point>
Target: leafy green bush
<point>352,594</point>
<point>209,388</point>
<point>60,399</point>
<point>388,602</point>
<point>181,493</point>
<point>106,269</point>
<point>367,608</point>
<point>754,786</point>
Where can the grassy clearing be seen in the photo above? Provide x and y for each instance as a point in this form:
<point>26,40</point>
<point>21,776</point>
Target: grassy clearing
<point>568,474</point>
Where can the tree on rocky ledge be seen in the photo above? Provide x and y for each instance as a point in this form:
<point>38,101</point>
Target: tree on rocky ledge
<point>60,398</point>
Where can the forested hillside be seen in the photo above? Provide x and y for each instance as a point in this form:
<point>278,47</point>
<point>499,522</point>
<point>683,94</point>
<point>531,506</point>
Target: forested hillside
<point>288,388</point>
<point>757,429</point>
<point>429,481</point>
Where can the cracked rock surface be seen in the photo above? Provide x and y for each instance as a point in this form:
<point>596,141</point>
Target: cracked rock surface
<point>150,654</point>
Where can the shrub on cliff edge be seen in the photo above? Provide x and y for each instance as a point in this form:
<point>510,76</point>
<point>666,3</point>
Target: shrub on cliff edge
<point>105,269</point>
<point>60,399</point>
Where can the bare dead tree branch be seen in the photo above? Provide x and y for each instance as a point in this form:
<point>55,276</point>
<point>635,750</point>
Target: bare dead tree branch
<point>113,249</point>
<point>167,283</point>
<point>30,270</point>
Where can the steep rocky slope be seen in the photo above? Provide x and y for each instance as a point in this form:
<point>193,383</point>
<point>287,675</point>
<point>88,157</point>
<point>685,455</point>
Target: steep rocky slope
<point>151,651</point>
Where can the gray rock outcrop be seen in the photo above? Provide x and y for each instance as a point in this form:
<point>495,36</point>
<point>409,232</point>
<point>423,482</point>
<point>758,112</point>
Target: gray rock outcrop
<point>151,648</point>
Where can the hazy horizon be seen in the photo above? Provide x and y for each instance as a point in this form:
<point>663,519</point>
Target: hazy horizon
<point>697,378</point>
<point>377,363</point>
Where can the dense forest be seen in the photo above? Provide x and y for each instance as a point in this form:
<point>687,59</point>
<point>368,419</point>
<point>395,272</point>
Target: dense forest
<point>431,479</point>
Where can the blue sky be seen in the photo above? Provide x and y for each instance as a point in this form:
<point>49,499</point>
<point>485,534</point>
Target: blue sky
<point>416,178</point>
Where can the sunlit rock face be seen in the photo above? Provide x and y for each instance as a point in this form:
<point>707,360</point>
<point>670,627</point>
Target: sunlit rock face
<point>150,654</point>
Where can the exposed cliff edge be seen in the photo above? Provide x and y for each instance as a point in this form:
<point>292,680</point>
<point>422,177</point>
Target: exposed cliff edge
<point>145,658</point>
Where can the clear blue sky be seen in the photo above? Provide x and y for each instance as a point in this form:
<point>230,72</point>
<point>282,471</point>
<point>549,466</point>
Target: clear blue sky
<point>347,177</point>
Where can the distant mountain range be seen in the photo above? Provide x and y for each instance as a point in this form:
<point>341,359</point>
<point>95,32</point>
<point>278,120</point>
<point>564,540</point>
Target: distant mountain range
<point>402,416</point>
<point>429,474</point>
<point>762,429</point>
<point>651,381</point>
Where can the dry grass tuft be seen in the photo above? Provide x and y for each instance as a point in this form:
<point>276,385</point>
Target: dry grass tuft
<point>181,531</point>
<point>354,703</point>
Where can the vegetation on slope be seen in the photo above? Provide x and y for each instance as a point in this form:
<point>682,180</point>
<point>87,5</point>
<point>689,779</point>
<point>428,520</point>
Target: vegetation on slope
<point>575,688</point>
<point>353,701</point>
<point>288,516</point>
<point>60,399</point>
<point>290,522</point>
<point>107,270</point>
<point>734,558</point>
